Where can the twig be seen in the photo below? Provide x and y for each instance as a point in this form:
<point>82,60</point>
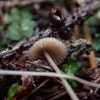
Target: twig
<point>89,39</point>
<point>49,74</point>
<point>57,96</point>
<point>57,80</point>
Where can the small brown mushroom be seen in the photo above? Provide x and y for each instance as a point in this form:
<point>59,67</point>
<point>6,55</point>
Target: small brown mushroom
<point>52,46</point>
<point>55,51</point>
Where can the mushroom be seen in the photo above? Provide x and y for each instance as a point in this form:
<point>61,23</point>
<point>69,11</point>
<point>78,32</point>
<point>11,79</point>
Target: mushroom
<point>52,46</point>
<point>55,52</point>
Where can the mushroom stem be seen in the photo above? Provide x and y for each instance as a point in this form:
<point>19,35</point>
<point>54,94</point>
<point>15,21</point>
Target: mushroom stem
<point>65,83</point>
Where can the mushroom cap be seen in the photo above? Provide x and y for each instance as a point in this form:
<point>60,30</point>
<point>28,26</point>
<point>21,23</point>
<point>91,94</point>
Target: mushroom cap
<point>55,48</point>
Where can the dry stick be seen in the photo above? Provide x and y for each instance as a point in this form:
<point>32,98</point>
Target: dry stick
<point>38,87</point>
<point>64,82</point>
<point>59,95</point>
<point>89,39</point>
<point>50,74</point>
<point>57,80</point>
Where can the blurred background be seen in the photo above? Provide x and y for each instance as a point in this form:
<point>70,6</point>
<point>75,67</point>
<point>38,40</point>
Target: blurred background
<point>23,18</point>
